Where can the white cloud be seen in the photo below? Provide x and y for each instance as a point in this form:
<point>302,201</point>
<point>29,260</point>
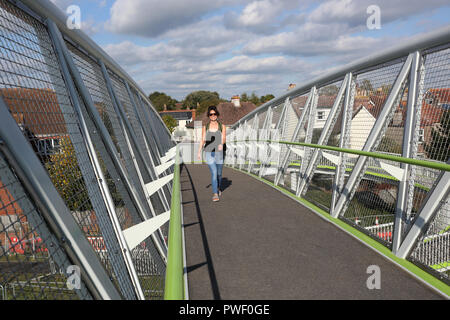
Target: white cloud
<point>258,45</point>
<point>262,16</point>
<point>151,18</point>
<point>353,12</point>
<point>63,4</point>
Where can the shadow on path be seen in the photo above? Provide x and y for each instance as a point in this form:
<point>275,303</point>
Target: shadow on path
<point>209,262</point>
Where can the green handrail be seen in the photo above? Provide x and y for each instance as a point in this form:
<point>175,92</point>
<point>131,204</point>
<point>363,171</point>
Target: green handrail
<point>174,286</point>
<point>416,162</point>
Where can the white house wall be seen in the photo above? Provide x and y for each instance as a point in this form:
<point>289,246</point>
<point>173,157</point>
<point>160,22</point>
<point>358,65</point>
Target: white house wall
<point>362,124</point>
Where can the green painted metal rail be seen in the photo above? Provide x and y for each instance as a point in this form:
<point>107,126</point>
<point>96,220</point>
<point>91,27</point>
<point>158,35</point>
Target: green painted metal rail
<point>416,162</point>
<point>174,286</point>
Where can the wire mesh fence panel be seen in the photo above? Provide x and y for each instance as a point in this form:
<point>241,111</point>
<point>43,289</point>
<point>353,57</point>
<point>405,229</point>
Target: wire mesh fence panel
<point>126,209</point>
<point>433,247</point>
<point>90,73</point>
<point>138,147</point>
<point>33,265</point>
<point>293,114</point>
<point>373,199</point>
<point>270,153</point>
<point>432,143</point>
<point>319,186</point>
<point>143,117</point>
<point>165,142</point>
<point>145,146</point>
<point>34,90</point>
<point>151,269</point>
<point>151,143</point>
<point>431,140</point>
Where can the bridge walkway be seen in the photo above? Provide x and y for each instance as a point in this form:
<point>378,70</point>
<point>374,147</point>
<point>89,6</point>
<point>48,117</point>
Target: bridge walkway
<point>257,243</point>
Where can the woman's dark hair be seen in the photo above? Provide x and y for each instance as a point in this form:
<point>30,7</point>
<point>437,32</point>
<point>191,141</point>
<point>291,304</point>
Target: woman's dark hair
<point>213,108</point>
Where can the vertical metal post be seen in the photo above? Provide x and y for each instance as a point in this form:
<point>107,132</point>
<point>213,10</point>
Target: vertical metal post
<point>324,136</point>
<point>244,144</point>
<point>59,219</point>
<point>263,137</point>
<point>126,128</point>
<point>107,198</point>
<point>432,203</point>
<point>298,128</point>
<point>109,144</point>
<point>377,130</point>
<point>308,138</point>
<point>402,201</point>
<point>253,144</point>
<point>161,194</point>
<point>347,111</point>
<point>277,129</point>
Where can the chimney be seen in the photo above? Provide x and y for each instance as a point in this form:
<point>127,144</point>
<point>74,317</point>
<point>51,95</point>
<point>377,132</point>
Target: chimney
<point>165,107</point>
<point>193,114</point>
<point>236,100</point>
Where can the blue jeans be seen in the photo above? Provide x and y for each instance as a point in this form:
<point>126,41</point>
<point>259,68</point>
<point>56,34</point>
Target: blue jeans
<point>215,164</point>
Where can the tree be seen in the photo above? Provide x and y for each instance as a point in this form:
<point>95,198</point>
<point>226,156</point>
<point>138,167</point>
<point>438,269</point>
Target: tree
<point>170,122</point>
<point>67,178</point>
<point>330,90</point>
<point>254,99</point>
<point>438,147</point>
<point>266,98</point>
<point>201,100</point>
<point>159,99</point>
<point>367,85</point>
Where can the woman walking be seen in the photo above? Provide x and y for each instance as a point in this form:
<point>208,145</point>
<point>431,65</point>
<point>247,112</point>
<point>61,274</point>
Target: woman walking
<point>213,142</point>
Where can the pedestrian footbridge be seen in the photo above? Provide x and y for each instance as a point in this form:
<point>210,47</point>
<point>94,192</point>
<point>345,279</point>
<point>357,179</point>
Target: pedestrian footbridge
<point>337,189</point>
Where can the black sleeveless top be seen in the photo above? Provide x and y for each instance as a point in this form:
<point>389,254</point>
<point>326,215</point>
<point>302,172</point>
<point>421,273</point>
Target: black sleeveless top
<point>213,139</point>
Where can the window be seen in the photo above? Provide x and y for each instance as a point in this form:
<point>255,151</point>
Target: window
<point>320,115</point>
<point>421,135</point>
<point>429,100</point>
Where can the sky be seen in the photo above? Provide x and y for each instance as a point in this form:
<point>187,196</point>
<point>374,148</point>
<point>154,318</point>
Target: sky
<point>236,46</point>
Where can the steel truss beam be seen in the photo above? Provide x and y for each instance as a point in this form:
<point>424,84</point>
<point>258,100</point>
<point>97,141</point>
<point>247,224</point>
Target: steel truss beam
<point>298,128</point>
<point>131,139</point>
<point>277,130</point>
<point>432,203</point>
<point>38,185</point>
<point>380,125</point>
<point>303,184</point>
<point>407,152</point>
<point>253,146</point>
<point>101,180</point>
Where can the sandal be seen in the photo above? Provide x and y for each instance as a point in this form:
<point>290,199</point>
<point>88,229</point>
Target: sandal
<point>215,197</point>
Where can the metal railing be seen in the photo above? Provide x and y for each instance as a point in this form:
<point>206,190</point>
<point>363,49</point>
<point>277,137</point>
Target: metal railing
<point>369,145</point>
<point>86,167</point>
<point>175,285</point>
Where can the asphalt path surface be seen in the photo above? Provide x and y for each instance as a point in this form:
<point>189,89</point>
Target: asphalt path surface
<point>258,244</point>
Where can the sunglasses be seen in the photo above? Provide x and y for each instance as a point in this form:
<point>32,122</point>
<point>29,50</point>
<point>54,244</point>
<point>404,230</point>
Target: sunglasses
<point>213,114</point>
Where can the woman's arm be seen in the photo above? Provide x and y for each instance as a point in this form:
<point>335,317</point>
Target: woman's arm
<point>224,135</point>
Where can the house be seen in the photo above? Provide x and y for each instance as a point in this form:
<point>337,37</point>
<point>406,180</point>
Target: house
<point>38,113</point>
<point>183,117</point>
<point>362,123</point>
<point>435,102</point>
